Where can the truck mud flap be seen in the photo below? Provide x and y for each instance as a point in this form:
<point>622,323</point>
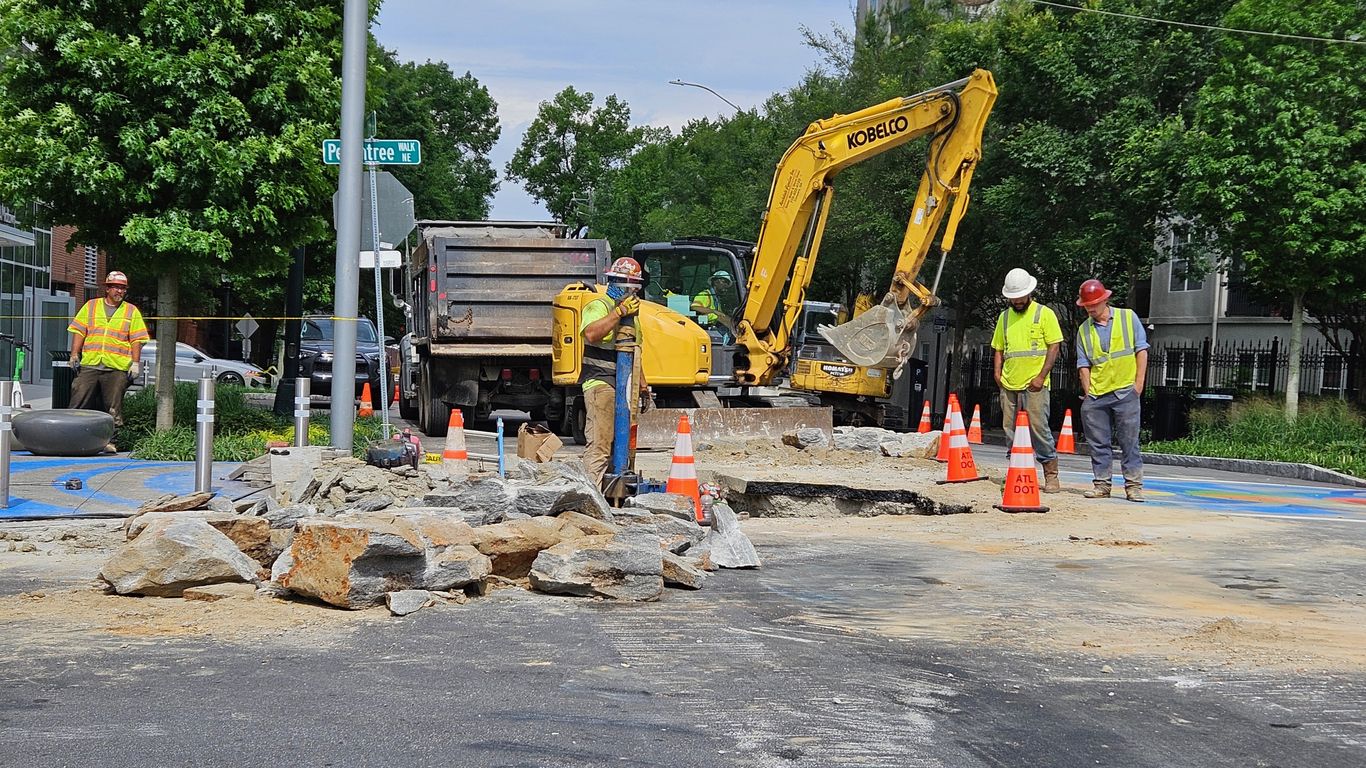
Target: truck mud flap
<point>658,428</point>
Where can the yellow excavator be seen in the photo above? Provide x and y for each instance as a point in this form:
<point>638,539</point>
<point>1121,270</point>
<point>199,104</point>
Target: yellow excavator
<point>739,350</point>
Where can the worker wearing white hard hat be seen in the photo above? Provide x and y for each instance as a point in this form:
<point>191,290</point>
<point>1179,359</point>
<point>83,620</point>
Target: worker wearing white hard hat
<point>1027,341</point>
<point>107,335</point>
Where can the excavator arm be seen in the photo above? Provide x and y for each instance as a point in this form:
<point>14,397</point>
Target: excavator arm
<point>954,115</point>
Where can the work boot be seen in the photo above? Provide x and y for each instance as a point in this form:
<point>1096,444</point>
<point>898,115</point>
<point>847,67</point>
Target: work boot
<point>1050,477</point>
<point>1134,493</point>
<point>1100,491</point>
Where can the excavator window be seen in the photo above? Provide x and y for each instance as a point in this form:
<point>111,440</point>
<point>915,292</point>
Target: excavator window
<point>691,282</point>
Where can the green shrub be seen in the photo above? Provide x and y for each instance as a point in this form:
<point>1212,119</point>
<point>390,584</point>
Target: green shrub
<point>1329,433</point>
<point>241,430</point>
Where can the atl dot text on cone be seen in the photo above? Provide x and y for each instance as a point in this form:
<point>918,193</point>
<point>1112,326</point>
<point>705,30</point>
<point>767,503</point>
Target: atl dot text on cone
<point>962,468</point>
<point>1021,493</point>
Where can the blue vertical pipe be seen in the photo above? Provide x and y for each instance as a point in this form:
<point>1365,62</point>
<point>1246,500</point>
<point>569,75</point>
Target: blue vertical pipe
<point>621,423</point>
<point>502,467</point>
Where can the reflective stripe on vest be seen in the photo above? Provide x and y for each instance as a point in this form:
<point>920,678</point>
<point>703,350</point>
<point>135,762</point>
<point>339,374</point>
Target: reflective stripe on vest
<point>1116,367</point>
<point>1005,320</point>
<point>107,339</point>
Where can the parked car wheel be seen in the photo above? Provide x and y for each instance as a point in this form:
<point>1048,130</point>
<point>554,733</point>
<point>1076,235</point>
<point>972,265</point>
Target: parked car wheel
<point>231,377</point>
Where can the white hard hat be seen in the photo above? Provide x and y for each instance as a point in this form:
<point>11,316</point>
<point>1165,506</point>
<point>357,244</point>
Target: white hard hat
<point>1019,284</point>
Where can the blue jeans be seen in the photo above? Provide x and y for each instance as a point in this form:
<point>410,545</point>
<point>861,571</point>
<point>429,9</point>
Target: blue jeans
<point>1113,417</point>
<point>1036,405</point>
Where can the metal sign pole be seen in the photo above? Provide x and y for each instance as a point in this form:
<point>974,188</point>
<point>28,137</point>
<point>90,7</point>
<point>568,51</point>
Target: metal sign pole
<point>382,396</point>
<point>203,436</point>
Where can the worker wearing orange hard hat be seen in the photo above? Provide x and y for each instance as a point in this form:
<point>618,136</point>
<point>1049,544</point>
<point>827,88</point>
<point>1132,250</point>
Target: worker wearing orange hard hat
<point>602,320</point>
<point>1112,361</point>
<point>107,335</point>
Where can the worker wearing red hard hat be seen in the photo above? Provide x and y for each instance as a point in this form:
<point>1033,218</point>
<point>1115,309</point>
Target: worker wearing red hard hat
<point>107,335</point>
<point>1112,360</point>
<point>602,320</point>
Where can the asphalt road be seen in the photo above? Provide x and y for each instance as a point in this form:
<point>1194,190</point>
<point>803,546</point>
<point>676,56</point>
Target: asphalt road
<point>729,676</point>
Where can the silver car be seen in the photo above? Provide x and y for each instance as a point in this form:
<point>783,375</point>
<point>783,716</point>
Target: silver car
<point>191,363</point>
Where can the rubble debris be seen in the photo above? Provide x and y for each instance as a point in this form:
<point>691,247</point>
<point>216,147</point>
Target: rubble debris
<point>171,555</point>
<point>211,593</point>
<point>725,545</point>
<point>624,566</point>
<point>674,535</point>
<point>169,502</point>
<point>675,504</point>
<point>514,545</point>
<point>806,437</point>
<point>918,445</point>
<point>679,571</point>
<point>406,601</point>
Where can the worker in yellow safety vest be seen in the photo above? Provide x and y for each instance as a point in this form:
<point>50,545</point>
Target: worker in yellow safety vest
<point>1112,362</point>
<point>707,304</point>
<point>600,324</point>
<point>1027,341</point>
<point>107,335</point>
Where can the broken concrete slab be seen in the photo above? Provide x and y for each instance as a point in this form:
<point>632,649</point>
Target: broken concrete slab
<point>172,555</point>
<point>514,545</point>
<point>682,572</point>
<point>171,503</point>
<point>352,564</point>
<point>919,445</point>
<point>287,465</point>
<point>725,545</point>
<point>212,593</point>
<point>406,601</point>
<point>622,567</point>
<point>674,504</point>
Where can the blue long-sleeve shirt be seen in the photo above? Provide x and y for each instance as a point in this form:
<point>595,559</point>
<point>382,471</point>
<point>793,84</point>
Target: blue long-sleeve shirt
<point>1103,330</point>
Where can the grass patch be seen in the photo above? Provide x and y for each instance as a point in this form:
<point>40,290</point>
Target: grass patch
<point>241,430</point>
<point>1328,433</point>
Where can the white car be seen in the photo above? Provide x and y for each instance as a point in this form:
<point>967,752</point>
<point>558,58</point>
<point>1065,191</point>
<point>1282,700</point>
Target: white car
<point>190,364</point>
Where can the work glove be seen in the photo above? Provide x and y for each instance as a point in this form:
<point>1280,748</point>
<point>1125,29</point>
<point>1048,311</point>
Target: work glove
<point>628,306</point>
<point>134,371</point>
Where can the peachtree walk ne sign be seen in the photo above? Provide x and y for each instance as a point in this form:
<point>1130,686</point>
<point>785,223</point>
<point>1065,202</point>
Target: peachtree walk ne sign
<point>379,151</point>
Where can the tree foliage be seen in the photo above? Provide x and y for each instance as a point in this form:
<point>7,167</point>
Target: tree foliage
<point>570,147</point>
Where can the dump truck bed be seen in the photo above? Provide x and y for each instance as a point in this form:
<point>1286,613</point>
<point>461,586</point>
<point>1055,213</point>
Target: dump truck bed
<point>488,289</point>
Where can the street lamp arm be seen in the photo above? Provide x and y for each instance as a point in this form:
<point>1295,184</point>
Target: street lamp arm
<point>708,90</point>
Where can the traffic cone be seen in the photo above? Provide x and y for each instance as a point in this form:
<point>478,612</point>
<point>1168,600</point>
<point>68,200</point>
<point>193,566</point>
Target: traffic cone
<point>395,400</point>
<point>943,454</point>
<point>1067,441</point>
<point>683,472</point>
<point>455,458</point>
<point>962,468</point>
<point>975,429</point>
<point>925,425</point>
<point>1022,479</point>
<point>366,404</point>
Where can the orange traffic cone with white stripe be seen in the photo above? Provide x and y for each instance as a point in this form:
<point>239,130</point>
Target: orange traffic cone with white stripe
<point>683,472</point>
<point>395,400</point>
<point>975,429</point>
<point>367,407</point>
<point>943,454</point>
<point>962,467</point>
<point>455,458</point>
<point>1067,441</point>
<point>925,425</point>
<point>1022,479</point>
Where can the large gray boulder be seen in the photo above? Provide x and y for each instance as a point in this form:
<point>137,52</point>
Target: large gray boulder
<point>484,501</point>
<point>593,503</point>
<point>515,544</point>
<point>673,534</point>
<point>725,544</point>
<point>674,504</point>
<point>806,437</point>
<point>867,439</point>
<point>623,567</point>
<point>171,555</point>
<point>352,563</point>
<point>920,445</point>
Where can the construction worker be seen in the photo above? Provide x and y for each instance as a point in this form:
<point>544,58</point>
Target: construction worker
<point>1112,361</point>
<point>106,348</point>
<point>1027,341</point>
<point>708,303</point>
<point>601,319</point>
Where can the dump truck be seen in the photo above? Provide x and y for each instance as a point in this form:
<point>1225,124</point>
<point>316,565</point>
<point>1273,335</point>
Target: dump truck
<point>480,296</point>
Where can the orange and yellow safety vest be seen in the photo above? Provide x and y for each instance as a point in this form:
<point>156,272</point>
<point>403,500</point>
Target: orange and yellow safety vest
<point>109,339</point>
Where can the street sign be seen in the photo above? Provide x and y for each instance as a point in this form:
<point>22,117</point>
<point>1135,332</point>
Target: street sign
<point>396,217</point>
<point>387,259</point>
<point>247,326</point>
<point>941,323</point>
<point>378,151</point>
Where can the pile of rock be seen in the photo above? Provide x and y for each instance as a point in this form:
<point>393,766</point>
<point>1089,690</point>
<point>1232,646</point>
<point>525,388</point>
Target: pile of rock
<point>868,439</point>
<point>355,536</point>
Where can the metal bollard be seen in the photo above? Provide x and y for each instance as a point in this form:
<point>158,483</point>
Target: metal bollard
<point>6,413</point>
<point>303,401</point>
<point>203,436</point>
<point>502,466</point>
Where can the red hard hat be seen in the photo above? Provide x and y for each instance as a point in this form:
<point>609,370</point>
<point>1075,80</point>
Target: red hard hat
<point>1092,291</point>
<point>116,278</point>
<point>625,269</point>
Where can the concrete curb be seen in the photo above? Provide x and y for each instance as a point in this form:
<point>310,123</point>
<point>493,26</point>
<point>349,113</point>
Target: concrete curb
<point>1253,467</point>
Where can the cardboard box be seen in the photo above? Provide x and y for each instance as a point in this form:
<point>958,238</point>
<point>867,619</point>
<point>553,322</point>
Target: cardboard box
<point>537,443</point>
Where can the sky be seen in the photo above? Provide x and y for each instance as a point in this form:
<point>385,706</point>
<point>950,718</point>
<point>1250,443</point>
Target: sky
<point>526,51</point>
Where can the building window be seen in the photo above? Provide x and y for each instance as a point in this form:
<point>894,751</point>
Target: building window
<point>1181,368</point>
<point>1334,375</point>
<point>92,265</point>
<point>1254,371</point>
<point>1181,265</point>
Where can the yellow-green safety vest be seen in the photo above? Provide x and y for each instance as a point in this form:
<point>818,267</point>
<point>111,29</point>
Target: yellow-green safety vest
<point>109,340</point>
<point>1115,367</point>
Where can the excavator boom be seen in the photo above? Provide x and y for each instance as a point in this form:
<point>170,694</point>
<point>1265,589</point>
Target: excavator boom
<point>954,115</point>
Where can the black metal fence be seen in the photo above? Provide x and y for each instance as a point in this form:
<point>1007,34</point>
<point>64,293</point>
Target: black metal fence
<point>1178,375</point>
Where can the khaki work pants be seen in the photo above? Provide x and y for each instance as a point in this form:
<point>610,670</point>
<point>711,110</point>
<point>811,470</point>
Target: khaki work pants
<point>93,385</point>
<point>599,404</point>
<point>1036,404</point>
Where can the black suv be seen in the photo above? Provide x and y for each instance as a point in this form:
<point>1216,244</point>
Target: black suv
<point>315,356</point>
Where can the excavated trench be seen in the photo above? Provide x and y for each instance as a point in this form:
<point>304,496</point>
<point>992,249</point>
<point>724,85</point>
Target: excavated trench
<point>791,499</point>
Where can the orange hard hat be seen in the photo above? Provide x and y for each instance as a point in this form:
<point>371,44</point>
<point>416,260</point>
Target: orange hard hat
<point>625,269</point>
<point>116,278</point>
<point>1092,291</point>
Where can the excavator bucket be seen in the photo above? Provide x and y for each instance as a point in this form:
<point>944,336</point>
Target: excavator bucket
<point>882,337</point>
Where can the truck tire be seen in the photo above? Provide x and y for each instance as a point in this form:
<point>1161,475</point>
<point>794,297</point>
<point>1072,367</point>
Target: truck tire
<point>578,422</point>
<point>433,414</point>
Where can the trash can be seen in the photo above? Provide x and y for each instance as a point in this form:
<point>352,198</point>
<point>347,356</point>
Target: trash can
<point>1170,412</point>
<point>62,376</point>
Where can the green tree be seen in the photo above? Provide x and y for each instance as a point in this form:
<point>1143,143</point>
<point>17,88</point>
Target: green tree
<point>181,136</point>
<point>456,120</point>
<point>1276,160</point>
<point>570,147</point>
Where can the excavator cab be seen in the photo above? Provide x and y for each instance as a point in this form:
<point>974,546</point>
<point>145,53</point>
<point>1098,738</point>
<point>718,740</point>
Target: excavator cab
<point>701,279</point>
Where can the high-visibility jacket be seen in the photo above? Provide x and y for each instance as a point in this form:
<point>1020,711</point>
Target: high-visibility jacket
<point>109,339</point>
<point>600,359</point>
<point>1024,344</point>
<point>707,299</point>
<point>1116,366</point>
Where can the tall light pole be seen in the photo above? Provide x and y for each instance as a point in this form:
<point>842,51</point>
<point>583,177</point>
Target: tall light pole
<point>708,90</point>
